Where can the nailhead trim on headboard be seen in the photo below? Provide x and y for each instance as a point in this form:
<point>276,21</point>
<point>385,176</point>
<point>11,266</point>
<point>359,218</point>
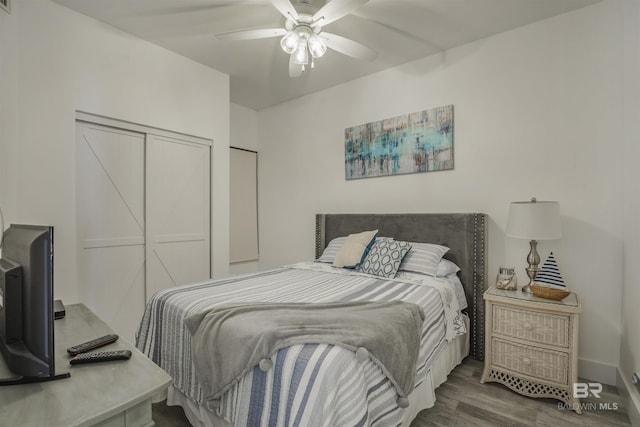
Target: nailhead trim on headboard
<point>320,243</point>
<point>479,285</point>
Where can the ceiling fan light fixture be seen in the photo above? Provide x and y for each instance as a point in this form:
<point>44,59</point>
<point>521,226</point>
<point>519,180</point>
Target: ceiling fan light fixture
<point>289,42</point>
<point>302,37</point>
<point>317,46</point>
<point>301,55</point>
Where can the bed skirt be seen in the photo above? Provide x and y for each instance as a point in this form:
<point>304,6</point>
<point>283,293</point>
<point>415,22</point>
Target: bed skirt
<point>421,398</point>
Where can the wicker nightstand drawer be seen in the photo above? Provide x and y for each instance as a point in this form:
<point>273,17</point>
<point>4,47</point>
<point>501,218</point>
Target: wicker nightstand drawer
<point>532,344</point>
<point>535,362</point>
<point>534,326</point>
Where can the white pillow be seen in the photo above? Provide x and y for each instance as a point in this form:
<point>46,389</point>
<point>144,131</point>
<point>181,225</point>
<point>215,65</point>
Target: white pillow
<point>446,267</point>
<point>423,258</point>
<point>329,253</point>
<point>354,249</point>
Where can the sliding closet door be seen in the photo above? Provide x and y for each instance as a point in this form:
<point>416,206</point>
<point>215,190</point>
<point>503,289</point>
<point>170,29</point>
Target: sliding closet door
<point>178,213</point>
<point>111,224</point>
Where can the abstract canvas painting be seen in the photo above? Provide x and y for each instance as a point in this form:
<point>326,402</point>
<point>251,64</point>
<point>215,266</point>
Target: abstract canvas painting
<point>411,143</point>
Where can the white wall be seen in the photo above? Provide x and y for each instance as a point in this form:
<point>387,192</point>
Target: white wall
<point>630,343</point>
<point>56,61</point>
<point>8,75</point>
<point>244,127</point>
<point>538,112</point>
<point>244,134</point>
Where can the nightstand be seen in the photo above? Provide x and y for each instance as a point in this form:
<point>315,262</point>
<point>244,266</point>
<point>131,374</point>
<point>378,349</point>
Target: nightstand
<point>532,344</point>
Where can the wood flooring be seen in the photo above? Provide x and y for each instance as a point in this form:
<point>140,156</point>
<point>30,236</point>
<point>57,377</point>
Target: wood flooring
<point>463,401</point>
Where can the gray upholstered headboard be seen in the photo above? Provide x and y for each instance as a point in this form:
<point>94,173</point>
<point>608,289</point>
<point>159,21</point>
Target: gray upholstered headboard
<point>464,233</point>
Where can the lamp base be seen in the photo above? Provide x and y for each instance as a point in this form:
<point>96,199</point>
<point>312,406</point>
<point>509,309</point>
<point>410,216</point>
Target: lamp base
<point>532,271</point>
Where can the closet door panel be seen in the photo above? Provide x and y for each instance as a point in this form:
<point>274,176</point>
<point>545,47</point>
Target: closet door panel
<point>111,224</point>
<point>178,223</point>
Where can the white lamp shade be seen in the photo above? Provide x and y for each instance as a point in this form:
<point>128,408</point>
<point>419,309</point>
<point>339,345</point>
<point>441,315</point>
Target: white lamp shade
<point>317,47</point>
<point>534,220</point>
<point>301,55</point>
<point>289,42</point>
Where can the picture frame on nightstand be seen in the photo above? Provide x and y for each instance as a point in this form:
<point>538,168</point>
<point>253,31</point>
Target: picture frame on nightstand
<point>507,279</point>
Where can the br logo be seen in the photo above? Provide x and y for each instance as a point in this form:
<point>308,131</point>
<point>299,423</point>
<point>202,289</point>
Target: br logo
<point>582,390</point>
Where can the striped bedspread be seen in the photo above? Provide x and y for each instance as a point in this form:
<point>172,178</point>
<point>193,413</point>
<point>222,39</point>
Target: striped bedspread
<point>310,384</point>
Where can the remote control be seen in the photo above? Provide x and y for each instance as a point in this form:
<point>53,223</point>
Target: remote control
<point>101,356</point>
<point>91,345</point>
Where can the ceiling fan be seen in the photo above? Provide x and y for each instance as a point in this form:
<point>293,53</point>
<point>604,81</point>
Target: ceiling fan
<point>302,35</point>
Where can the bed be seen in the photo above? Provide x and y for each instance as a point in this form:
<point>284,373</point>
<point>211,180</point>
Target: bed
<point>321,383</point>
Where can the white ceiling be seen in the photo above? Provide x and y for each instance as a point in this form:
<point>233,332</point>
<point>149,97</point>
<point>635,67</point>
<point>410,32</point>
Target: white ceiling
<point>400,30</point>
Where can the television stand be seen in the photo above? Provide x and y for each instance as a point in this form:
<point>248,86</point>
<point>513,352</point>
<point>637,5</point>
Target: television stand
<point>30,380</point>
<point>117,393</point>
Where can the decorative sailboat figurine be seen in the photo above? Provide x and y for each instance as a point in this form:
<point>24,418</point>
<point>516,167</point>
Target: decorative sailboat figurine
<point>548,282</point>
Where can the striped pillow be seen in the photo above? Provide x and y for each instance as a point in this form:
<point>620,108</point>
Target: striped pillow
<point>329,253</point>
<point>423,258</point>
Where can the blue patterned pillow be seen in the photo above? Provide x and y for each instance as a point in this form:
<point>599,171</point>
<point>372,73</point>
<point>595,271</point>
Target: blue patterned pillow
<point>385,257</point>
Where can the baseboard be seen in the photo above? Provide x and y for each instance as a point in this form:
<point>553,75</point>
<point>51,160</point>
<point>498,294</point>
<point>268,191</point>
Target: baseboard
<point>630,398</point>
<point>597,371</point>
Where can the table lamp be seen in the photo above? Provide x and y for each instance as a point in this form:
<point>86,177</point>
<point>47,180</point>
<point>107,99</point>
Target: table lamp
<point>534,220</point>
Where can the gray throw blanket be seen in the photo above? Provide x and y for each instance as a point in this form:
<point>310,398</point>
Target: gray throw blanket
<point>230,340</point>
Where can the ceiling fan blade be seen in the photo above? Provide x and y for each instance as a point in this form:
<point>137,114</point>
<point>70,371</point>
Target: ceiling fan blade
<point>392,28</point>
<point>251,34</point>
<point>349,47</point>
<point>286,9</point>
<point>336,9</point>
<point>203,8</point>
<point>295,70</point>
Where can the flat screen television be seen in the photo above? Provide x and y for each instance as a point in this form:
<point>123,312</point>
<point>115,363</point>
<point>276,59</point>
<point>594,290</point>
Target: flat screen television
<point>26,304</point>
